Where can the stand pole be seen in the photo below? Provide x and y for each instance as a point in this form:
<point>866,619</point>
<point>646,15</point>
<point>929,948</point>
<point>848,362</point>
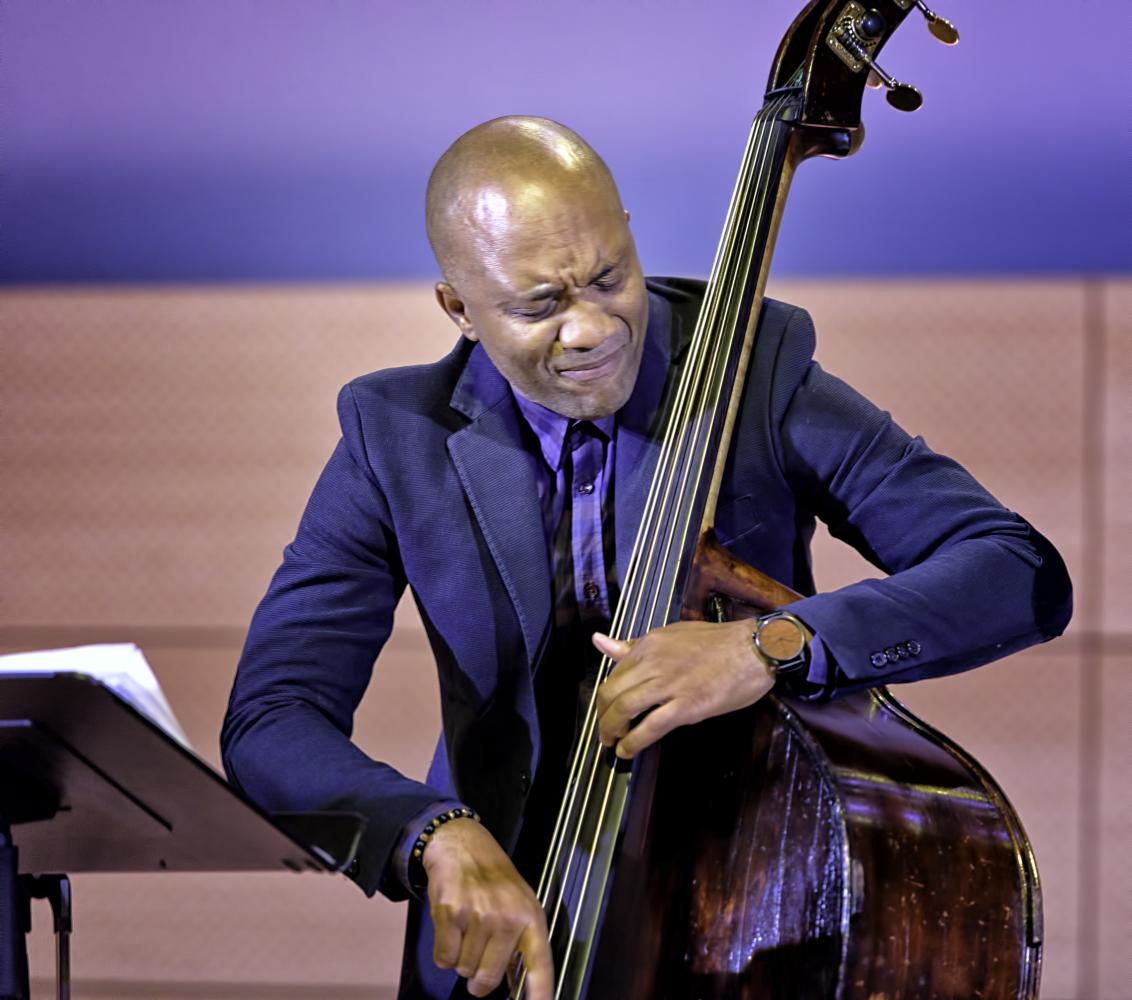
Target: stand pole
<point>14,920</point>
<point>56,889</point>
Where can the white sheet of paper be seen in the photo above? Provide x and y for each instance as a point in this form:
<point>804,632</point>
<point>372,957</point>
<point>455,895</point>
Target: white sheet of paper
<point>120,666</point>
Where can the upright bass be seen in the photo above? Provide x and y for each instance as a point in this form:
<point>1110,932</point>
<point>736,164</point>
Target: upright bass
<point>790,850</point>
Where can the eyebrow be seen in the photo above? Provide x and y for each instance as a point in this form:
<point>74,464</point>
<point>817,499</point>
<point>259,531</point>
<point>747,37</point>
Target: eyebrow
<point>539,292</point>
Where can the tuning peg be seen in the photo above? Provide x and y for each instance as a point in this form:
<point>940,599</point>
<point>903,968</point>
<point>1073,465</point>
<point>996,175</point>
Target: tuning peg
<point>870,25</point>
<point>942,28</point>
<point>902,96</point>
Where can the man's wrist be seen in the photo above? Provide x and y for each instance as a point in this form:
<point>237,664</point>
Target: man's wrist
<point>417,869</point>
<point>782,642</point>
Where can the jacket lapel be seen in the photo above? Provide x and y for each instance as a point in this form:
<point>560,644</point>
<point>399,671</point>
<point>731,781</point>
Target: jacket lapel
<point>638,443</point>
<point>498,476</point>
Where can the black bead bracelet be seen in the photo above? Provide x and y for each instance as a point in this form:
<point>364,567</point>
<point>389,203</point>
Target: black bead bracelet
<point>418,877</point>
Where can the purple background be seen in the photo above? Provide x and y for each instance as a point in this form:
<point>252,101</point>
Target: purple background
<point>253,140</point>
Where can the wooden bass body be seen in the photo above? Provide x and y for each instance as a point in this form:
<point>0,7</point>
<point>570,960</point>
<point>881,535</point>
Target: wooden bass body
<point>836,851</point>
<point>804,851</point>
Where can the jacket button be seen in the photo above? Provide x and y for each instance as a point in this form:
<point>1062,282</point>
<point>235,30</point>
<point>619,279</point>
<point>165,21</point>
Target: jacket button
<point>891,655</point>
<point>878,660</point>
<point>525,782</point>
<point>913,647</point>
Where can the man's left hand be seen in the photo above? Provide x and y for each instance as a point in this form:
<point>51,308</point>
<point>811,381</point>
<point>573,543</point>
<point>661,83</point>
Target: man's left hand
<point>680,674</point>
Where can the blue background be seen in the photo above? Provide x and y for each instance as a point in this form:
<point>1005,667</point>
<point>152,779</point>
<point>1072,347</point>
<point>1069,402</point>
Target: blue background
<point>152,140</point>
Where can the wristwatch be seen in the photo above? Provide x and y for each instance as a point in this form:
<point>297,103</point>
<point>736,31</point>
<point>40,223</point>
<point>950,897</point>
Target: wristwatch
<point>782,641</point>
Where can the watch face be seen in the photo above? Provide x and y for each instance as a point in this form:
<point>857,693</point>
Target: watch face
<point>781,639</point>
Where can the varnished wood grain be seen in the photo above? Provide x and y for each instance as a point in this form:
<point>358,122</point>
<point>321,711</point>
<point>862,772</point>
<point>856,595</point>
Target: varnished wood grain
<point>801,850</point>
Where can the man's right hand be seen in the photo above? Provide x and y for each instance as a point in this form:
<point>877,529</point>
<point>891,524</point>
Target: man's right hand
<point>483,911</point>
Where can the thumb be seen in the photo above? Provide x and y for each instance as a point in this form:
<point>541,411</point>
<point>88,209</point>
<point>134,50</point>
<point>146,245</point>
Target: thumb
<point>608,646</point>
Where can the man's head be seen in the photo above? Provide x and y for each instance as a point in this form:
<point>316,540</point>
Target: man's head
<point>539,265</point>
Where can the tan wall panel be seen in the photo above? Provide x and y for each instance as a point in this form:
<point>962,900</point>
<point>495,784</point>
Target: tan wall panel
<point>989,374</point>
<point>1117,457</point>
<point>158,446</point>
<point>1114,918</point>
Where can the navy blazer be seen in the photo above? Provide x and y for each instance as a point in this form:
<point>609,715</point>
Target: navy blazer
<point>432,487</point>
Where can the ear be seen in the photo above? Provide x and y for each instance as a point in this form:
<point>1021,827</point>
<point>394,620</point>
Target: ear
<point>453,307</point>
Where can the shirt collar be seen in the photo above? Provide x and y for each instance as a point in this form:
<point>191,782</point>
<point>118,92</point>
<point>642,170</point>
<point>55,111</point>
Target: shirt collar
<point>551,428</point>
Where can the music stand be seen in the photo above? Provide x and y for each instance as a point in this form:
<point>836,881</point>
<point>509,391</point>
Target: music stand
<point>89,784</point>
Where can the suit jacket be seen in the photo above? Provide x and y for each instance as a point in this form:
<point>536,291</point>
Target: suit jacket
<point>432,486</point>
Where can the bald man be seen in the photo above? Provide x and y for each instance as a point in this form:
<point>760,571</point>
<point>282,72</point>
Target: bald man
<point>504,484</point>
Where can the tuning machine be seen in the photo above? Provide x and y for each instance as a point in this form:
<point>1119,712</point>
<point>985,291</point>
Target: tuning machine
<point>854,37</point>
<point>940,27</point>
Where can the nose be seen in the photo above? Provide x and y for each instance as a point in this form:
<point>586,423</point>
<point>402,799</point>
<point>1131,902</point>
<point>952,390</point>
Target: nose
<point>585,326</point>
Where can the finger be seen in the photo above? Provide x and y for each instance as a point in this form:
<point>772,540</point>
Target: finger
<point>493,963</point>
<point>614,721</point>
<point>613,648</point>
<point>651,728</point>
<point>472,947</point>
<point>535,947</point>
<point>626,674</point>
<point>446,937</point>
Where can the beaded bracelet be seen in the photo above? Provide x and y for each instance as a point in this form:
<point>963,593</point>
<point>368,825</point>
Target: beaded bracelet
<point>418,877</point>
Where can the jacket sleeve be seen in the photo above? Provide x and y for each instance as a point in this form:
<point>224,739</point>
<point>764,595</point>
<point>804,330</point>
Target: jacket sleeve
<point>969,581</point>
<point>307,661</point>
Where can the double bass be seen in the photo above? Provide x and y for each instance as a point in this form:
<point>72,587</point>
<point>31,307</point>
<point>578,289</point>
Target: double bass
<point>792,849</point>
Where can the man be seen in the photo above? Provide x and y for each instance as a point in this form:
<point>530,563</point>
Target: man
<point>500,484</point>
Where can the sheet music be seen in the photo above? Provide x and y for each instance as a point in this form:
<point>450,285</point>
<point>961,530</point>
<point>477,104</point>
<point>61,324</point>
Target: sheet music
<point>120,666</point>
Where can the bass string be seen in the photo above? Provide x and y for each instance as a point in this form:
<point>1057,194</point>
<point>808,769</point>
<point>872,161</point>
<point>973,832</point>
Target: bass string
<point>600,825</point>
<point>674,452</point>
<point>680,406</point>
<point>696,442</point>
<point>633,571</point>
<point>665,480</point>
<point>711,391</point>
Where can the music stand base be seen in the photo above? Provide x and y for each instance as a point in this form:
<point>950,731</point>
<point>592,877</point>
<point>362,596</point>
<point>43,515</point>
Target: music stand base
<point>15,918</point>
<point>16,893</point>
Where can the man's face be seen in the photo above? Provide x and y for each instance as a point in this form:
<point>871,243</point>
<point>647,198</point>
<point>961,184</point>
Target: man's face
<point>551,286</point>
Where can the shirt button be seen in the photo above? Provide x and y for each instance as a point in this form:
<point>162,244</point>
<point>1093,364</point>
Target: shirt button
<point>585,489</point>
<point>525,782</point>
<point>590,589</point>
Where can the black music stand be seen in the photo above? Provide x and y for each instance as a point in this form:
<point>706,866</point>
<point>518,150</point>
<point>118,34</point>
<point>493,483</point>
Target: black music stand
<point>89,784</point>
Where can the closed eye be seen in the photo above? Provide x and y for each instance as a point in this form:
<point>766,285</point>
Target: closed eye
<point>608,279</point>
<point>541,311</point>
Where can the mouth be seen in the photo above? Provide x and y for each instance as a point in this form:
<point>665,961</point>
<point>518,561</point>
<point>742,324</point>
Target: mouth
<point>592,369</point>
